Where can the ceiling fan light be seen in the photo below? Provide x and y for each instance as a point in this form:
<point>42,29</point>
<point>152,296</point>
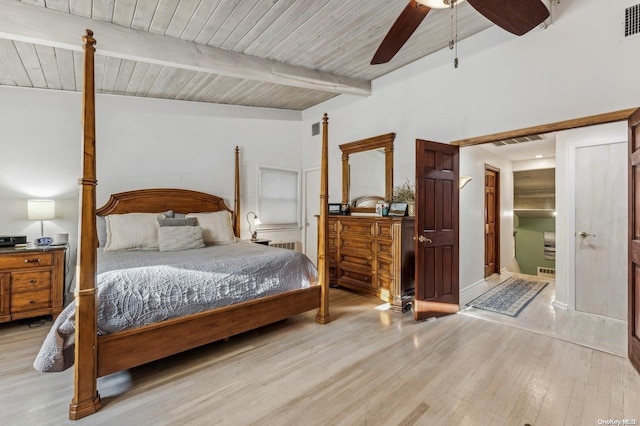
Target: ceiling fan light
<point>437,4</point>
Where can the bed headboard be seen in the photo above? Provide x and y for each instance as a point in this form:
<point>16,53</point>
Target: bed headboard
<point>162,199</point>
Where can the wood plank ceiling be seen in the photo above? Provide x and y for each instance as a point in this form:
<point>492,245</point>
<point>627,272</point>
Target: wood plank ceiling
<point>335,37</point>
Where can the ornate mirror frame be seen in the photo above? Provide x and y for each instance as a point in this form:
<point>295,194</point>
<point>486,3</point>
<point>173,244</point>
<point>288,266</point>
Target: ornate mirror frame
<point>377,142</point>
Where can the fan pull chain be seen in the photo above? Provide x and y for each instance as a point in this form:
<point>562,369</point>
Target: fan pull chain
<point>453,41</point>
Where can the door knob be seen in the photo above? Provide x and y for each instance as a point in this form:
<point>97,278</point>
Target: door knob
<point>423,239</point>
<point>583,234</point>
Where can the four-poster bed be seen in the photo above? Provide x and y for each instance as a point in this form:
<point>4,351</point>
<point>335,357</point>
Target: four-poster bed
<point>99,355</point>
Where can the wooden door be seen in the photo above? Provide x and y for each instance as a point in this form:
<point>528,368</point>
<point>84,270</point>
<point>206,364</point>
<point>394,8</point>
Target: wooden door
<point>634,240</point>
<point>436,235</point>
<point>491,220</point>
<point>600,227</point>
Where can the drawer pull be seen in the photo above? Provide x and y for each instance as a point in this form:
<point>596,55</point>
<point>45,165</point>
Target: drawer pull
<point>32,281</point>
<point>32,301</point>
<point>32,260</point>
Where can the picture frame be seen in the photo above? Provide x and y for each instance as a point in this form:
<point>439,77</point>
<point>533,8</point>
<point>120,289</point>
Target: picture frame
<point>335,208</point>
<point>398,209</point>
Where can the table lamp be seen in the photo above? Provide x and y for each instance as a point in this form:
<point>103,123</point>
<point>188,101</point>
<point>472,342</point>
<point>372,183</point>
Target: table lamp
<point>41,210</point>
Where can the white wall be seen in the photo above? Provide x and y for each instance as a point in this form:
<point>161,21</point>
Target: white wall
<point>141,143</point>
<point>472,163</point>
<point>576,67</point>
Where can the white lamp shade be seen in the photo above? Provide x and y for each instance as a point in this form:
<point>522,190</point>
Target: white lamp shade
<point>437,4</point>
<point>41,209</point>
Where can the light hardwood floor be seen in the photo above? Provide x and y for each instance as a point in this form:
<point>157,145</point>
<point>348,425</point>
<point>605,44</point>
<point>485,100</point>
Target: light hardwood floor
<point>367,367</point>
<point>540,316</point>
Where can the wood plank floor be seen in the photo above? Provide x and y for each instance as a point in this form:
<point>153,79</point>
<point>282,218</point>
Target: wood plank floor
<point>540,316</point>
<point>367,367</point>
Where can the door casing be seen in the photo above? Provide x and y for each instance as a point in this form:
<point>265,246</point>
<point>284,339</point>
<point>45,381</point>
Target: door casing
<point>496,221</point>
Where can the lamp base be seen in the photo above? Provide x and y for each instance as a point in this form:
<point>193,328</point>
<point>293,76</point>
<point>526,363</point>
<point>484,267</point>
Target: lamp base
<point>254,236</point>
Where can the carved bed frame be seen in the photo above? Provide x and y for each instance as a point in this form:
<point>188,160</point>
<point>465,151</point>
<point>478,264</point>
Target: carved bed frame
<point>96,356</point>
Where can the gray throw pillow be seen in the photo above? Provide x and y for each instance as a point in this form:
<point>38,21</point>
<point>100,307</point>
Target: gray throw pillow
<point>169,221</point>
<point>173,238</point>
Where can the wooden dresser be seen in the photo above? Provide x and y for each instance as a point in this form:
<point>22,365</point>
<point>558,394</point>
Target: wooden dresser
<point>31,282</point>
<point>374,255</point>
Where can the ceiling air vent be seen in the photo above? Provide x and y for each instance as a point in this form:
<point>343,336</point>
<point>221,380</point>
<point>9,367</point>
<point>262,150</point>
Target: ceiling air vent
<point>632,20</point>
<point>522,139</point>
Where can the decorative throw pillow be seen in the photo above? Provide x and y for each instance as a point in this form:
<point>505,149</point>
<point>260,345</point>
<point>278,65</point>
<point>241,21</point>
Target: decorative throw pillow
<point>101,227</point>
<point>216,227</point>
<point>172,238</point>
<point>170,221</point>
<point>132,231</point>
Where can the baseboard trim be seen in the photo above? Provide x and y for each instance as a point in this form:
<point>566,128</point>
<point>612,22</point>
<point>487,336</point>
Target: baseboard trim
<point>467,294</point>
<point>560,305</point>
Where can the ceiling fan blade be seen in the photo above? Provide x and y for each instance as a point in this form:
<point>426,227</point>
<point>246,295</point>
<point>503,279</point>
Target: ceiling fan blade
<point>400,31</point>
<point>516,16</point>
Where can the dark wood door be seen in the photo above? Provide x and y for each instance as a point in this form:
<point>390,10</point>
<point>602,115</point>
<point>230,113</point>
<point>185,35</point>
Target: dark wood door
<point>491,221</point>
<point>634,239</point>
<point>437,180</point>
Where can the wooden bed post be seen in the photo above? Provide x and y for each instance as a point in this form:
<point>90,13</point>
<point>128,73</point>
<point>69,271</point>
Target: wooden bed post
<point>323,227</point>
<point>236,200</point>
<point>85,394</point>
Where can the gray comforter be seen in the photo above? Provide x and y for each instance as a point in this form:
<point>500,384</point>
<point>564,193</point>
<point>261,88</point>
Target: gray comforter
<point>144,287</point>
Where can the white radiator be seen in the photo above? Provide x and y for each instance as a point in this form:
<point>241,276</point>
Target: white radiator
<point>285,245</point>
<point>546,272</point>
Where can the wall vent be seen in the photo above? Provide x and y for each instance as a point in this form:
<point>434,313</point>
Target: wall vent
<point>286,245</point>
<point>522,139</point>
<point>632,20</point>
<point>546,272</point>
<point>315,129</point>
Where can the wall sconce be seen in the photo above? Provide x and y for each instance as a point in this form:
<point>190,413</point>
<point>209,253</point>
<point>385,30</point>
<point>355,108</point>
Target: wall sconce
<point>41,210</point>
<point>253,222</point>
<point>464,180</point>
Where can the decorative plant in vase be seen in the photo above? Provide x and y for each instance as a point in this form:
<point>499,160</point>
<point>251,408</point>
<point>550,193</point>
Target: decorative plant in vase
<point>406,193</point>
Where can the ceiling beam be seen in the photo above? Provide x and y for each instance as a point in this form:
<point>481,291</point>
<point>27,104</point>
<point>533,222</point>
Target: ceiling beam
<point>35,24</point>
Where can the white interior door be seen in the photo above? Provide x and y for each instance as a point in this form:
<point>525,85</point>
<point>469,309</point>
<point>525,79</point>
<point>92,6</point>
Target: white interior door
<point>601,230</point>
<point>312,210</point>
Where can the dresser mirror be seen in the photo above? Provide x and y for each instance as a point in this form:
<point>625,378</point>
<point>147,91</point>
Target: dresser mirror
<point>367,172</point>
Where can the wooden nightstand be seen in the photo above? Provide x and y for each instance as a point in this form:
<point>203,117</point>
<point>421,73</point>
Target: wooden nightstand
<point>31,282</point>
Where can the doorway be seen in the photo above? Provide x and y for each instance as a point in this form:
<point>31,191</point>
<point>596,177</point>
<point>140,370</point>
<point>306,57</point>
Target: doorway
<point>491,220</point>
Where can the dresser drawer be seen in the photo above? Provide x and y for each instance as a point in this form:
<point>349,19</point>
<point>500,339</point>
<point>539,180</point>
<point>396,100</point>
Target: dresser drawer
<point>356,259</point>
<point>384,282</point>
<point>30,301</point>
<point>385,230</point>
<point>26,260</point>
<point>30,281</point>
<point>385,267</point>
<point>385,249</point>
<point>356,278</point>
<point>357,228</point>
<point>356,246</point>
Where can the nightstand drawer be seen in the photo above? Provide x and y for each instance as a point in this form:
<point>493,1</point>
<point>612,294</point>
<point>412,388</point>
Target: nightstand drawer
<point>26,260</point>
<point>30,281</point>
<point>30,301</point>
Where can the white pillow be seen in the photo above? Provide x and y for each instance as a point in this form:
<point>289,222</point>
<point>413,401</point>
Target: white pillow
<point>132,231</point>
<point>216,227</point>
<point>173,238</point>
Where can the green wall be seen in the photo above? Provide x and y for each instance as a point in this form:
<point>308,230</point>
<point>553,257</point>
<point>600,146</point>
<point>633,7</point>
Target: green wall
<point>530,243</point>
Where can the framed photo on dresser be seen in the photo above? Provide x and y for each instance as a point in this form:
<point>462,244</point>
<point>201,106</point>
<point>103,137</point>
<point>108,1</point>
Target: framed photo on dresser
<point>335,208</point>
<point>398,209</point>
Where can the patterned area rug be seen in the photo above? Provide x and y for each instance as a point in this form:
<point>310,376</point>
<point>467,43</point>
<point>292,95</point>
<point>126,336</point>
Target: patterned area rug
<point>509,297</point>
